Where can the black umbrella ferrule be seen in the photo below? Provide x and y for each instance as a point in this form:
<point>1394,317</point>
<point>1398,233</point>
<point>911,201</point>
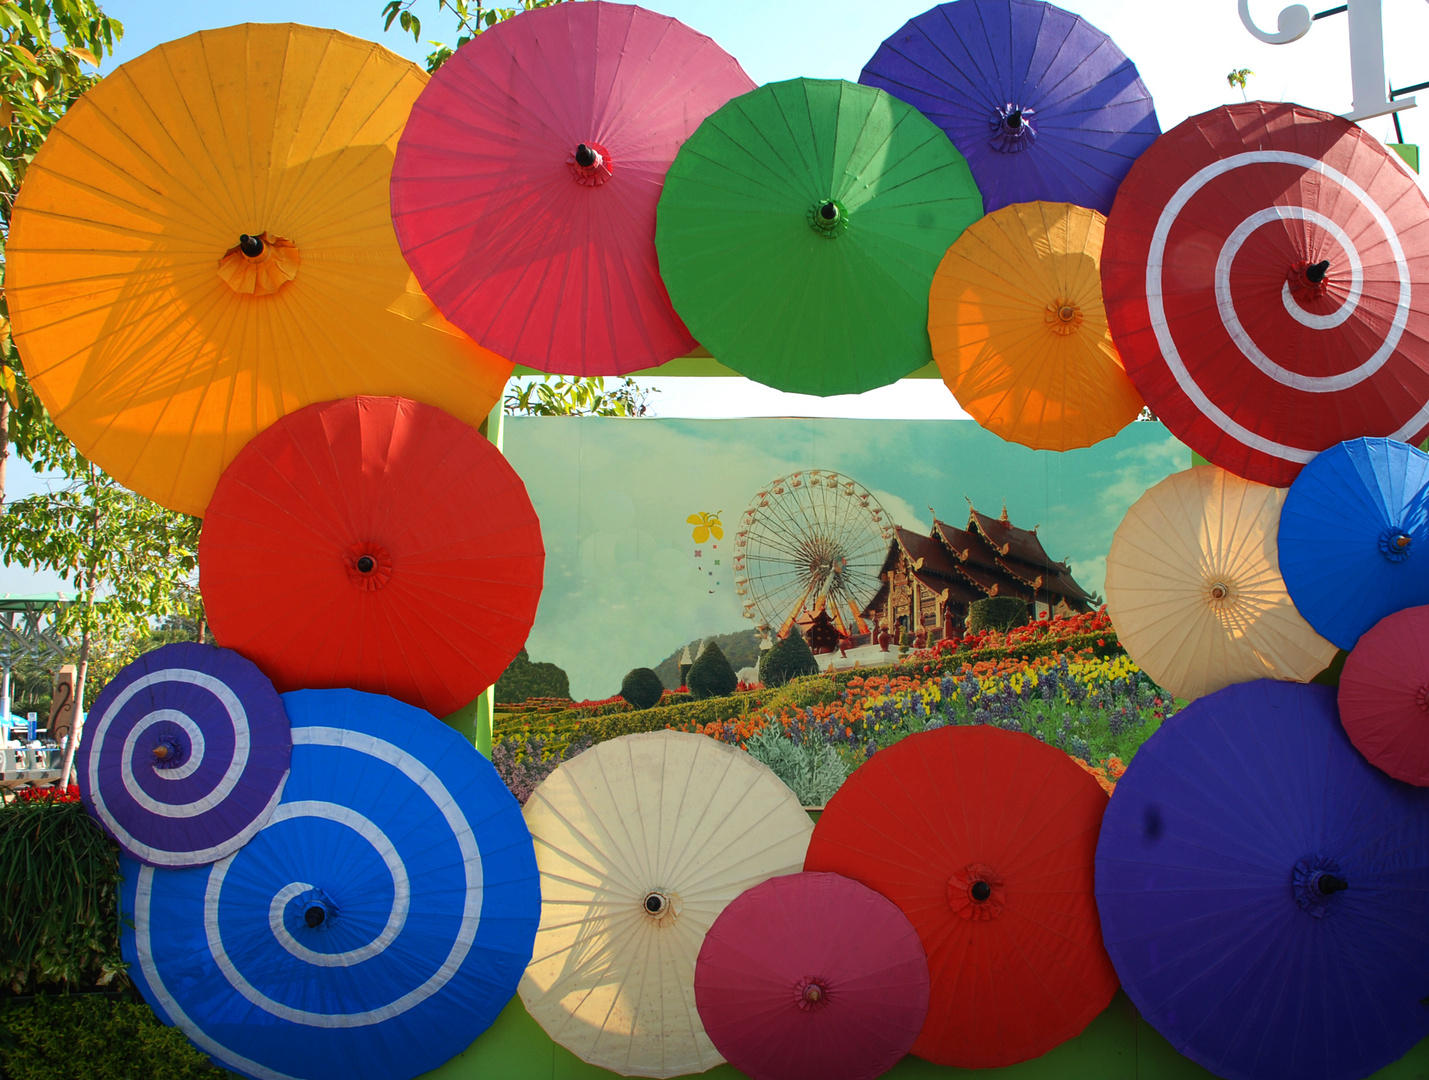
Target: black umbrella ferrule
<point>252,246</point>
<point>315,916</point>
<point>366,564</point>
<point>1013,120</point>
<point>1329,884</point>
<point>829,212</point>
<point>980,891</point>
<point>1316,271</point>
<point>585,156</point>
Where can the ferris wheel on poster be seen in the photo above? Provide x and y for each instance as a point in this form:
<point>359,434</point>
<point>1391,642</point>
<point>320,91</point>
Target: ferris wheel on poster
<point>810,542</point>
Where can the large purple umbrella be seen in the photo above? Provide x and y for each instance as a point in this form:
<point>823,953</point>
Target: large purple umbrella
<point>1041,103</point>
<point>1264,891</point>
<point>185,755</point>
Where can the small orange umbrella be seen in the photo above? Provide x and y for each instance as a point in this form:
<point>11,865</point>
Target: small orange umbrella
<point>1019,331</point>
<point>204,244</point>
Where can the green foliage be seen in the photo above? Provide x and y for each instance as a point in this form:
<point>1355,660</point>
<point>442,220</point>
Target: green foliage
<point>710,675</point>
<point>96,1037</point>
<point>471,17</point>
<point>996,613</point>
<point>790,658</point>
<point>563,396</point>
<point>811,768</point>
<point>59,882</point>
<point>642,688</point>
<point>522,680</point>
<point>740,648</point>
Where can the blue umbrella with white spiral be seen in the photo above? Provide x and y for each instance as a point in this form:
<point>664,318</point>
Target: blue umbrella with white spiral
<point>372,930</point>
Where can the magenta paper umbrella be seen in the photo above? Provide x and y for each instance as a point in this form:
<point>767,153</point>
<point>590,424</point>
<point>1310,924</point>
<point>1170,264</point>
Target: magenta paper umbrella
<point>812,976</point>
<point>1384,695</point>
<point>525,183</point>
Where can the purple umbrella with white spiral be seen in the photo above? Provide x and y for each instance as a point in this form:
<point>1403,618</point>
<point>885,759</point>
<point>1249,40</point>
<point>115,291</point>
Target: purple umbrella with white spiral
<point>185,755</point>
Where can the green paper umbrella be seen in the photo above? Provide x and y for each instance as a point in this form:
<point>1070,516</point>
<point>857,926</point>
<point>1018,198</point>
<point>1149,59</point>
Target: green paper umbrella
<point>800,228</point>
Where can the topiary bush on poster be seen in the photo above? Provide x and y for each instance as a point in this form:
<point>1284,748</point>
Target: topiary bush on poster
<point>642,688</point>
<point>996,613</point>
<point>710,675</point>
<point>790,658</point>
<point>94,1037</point>
<point>522,679</point>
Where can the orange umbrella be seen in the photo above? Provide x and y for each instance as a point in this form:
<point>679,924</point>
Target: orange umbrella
<point>204,245</point>
<point>1019,331</point>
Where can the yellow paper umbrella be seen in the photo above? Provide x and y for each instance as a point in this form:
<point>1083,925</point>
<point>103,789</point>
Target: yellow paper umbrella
<point>203,245</point>
<point>1019,332</point>
<point>1193,587</point>
<point>641,842</point>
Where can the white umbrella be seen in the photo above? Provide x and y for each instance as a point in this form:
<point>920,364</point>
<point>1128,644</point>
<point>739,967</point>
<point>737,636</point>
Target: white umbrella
<point>641,842</point>
<point>1194,590</point>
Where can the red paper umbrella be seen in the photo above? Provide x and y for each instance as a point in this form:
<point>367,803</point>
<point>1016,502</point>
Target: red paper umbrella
<point>1384,695</point>
<point>525,183</point>
<point>986,840</point>
<point>1260,273</point>
<point>377,544</point>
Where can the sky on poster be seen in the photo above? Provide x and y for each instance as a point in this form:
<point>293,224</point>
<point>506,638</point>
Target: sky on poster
<point>622,587</point>
<point>1183,48</point>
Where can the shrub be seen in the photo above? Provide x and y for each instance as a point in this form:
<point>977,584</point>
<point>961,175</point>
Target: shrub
<point>812,768</point>
<point>523,767</point>
<point>97,1037</point>
<point>788,659</point>
<point>642,688</point>
<point>523,679</point>
<point>710,675</point>
<point>59,881</point>
<point>996,613</point>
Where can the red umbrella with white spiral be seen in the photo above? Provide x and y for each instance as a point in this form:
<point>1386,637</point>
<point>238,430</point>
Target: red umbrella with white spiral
<point>1266,274</point>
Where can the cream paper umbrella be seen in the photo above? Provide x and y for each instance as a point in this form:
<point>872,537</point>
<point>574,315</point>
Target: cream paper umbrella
<point>1194,590</point>
<point>641,842</point>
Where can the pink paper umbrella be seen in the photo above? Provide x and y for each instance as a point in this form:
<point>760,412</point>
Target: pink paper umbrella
<point>812,977</point>
<point>1384,695</point>
<point>525,183</point>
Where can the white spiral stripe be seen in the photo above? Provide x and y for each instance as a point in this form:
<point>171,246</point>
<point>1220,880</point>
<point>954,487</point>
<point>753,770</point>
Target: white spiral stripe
<point>1155,299</point>
<point>241,748</point>
<point>143,897</point>
<point>401,887</point>
<point>196,752</point>
<point>415,770</point>
<point>1225,304</point>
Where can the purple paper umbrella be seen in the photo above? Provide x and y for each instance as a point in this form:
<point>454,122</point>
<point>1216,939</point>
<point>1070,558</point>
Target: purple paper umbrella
<point>1041,103</point>
<point>185,754</point>
<point>1264,891</point>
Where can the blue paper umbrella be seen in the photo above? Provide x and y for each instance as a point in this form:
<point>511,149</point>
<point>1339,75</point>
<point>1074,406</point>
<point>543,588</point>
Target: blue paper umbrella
<point>1354,536</point>
<point>1264,891</point>
<point>1041,103</point>
<point>373,929</point>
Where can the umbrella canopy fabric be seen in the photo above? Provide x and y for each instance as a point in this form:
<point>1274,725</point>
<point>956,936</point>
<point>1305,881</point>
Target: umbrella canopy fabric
<point>800,228</point>
<point>642,841</point>
<point>812,977</point>
<point>1041,103</point>
<point>985,839</point>
<point>1194,590</point>
<point>525,185</point>
<point>373,543</point>
<point>1354,536</point>
<point>1258,270</point>
<point>372,930</point>
<point>1017,325</point>
<point>1384,695</point>
<point>185,755</point>
<point>159,338</point>
<point>1220,878</point>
